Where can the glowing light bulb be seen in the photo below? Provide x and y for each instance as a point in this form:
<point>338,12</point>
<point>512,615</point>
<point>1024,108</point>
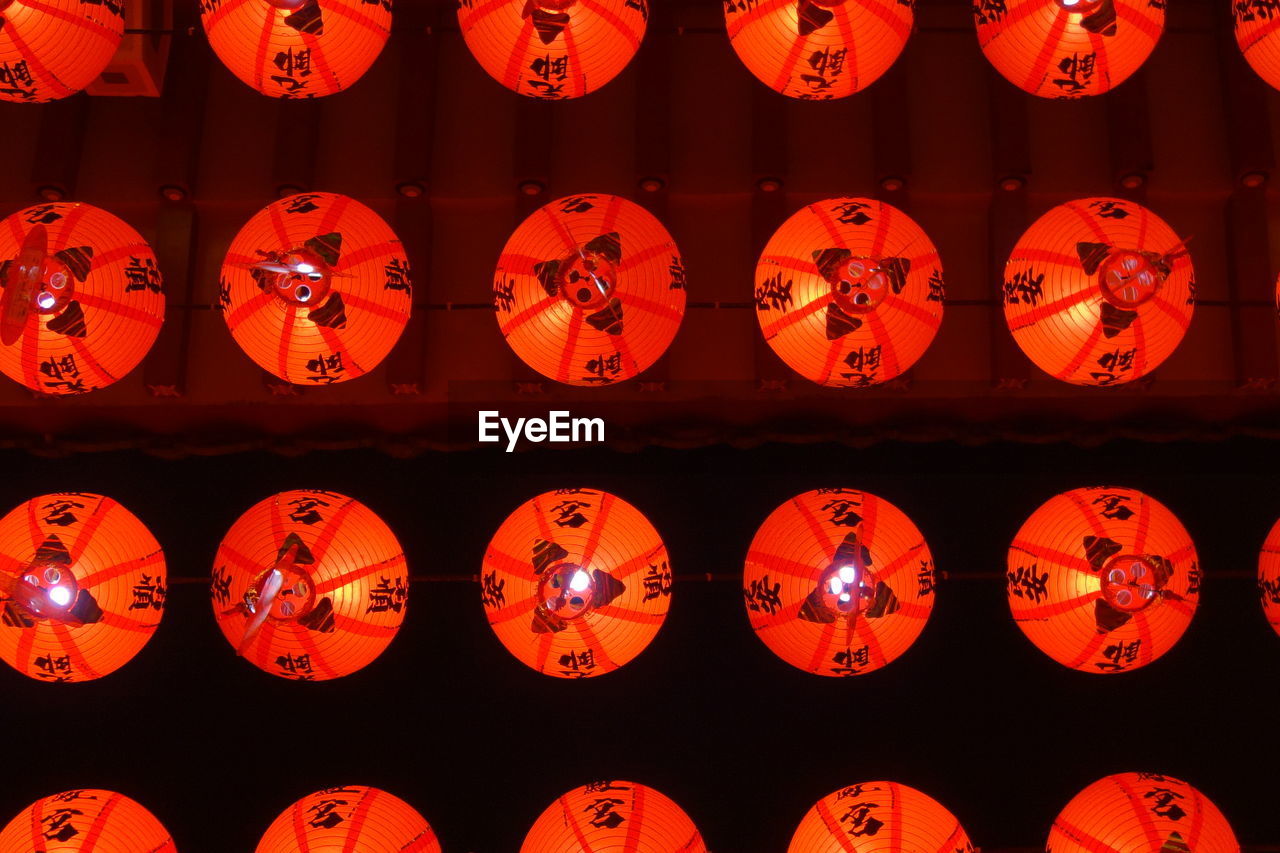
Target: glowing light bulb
<point>844,598</point>
<point>45,300</point>
<point>60,596</point>
<point>848,574</point>
<point>305,268</point>
<point>580,581</point>
<point>836,586</point>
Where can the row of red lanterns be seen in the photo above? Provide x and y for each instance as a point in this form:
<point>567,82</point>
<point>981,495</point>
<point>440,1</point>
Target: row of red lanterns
<point>555,49</point>
<point>590,290</point>
<point>575,583</point>
<point>1121,813</point>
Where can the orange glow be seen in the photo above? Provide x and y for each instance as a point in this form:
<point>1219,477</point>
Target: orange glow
<point>613,815</point>
<point>83,300</point>
<point>838,582</point>
<point>1068,48</point>
<point>1103,579</point>
<point>819,49</point>
<point>576,583</point>
<point>54,48</point>
<point>82,587</point>
<point>903,818</point>
<point>86,820</point>
<point>1256,26</point>
<point>351,818</point>
<point>1269,577</point>
<point>1099,291</point>
<point>318,48</point>
<point>849,292</point>
<point>590,290</point>
<point>1141,813</point>
<point>553,49</point>
<point>316,289</point>
<point>332,577</point>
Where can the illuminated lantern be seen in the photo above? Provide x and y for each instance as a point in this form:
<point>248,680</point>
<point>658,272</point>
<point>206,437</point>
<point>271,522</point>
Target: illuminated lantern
<point>621,816</point>
<point>1256,26</point>
<point>819,49</point>
<point>1269,577</point>
<point>1141,813</point>
<point>82,587</point>
<point>310,585</point>
<point>350,818</point>
<point>1103,579</point>
<point>879,816</point>
<point>553,49</point>
<point>86,820</point>
<point>50,49</point>
<point>590,290</point>
<point>316,289</point>
<point>1068,48</point>
<point>82,299</point>
<point>297,48</point>
<point>576,583</point>
<point>1099,291</point>
<point>838,582</point>
<point>849,292</point>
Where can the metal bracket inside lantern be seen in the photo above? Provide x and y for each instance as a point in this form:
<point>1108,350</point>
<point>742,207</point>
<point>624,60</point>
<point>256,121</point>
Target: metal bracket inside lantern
<point>284,592</point>
<point>22,290</point>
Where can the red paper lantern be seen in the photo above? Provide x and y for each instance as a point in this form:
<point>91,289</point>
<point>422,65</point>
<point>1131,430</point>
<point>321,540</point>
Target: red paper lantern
<point>838,582</point>
<point>613,815</point>
<point>553,49</point>
<point>1068,48</point>
<point>351,818</point>
<point>819,49</point>
<point>849,292</point>
<point>1103,579</point>
<point>316,289</point>
<point>82,587</point>
<point>1256,25</point>
<point>82,299</point>
<point>1141,813</point>
<point>50,49</point>
<point>297,48</point>
<point>1269,577</point>
<point>590,290</point>
<point>576,583</point>
<point>879,816</point>
<point>1099,291</point>
<point>310,585</point>
<point>86,820</point>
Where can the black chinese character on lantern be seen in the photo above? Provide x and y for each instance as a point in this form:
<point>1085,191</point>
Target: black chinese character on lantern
<point>1164,802</point>
<point>657,581</point>
<point>57,826</point>
<point>926,577</point>
<point>16,80</point>
<point>937,289</point>
<point>63,373</point>
<point>384,596</point>
<point>1110,209</point>
<point>54,668</point>
<point>492,590</point>
<point>1024,582</point>
<point>306,510</point>
<point>676,268</point>
<point>851,212</point>
<point>1115,365</point>
<point>850,661</point>
<point>397,273</point>
<point>1025,287</point>
<point>864,365</point>
<point>578,664</point>
<point>604,368</point>
<point>761,596</point>
<point>773,295</point>
<point>843,512</point>
<point>577,204</point>
<point>325,369</point>
<point>325,814</point>
<point>149,593</point>
<point>569,513</point>
<point>504,294</point>
<point>603,814</point>
<point>1077,70</point>
<point>1115,507</point>
<point>857,821</point>
<point>301,204</point>
<point>1119,656</point>
<point>59,512</point>
<point>141,274</point>
<point>299,665</point>
<point>989,11</point>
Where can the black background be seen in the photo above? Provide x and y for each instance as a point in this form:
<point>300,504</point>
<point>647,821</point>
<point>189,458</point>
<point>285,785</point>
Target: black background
<point>973,714</point>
